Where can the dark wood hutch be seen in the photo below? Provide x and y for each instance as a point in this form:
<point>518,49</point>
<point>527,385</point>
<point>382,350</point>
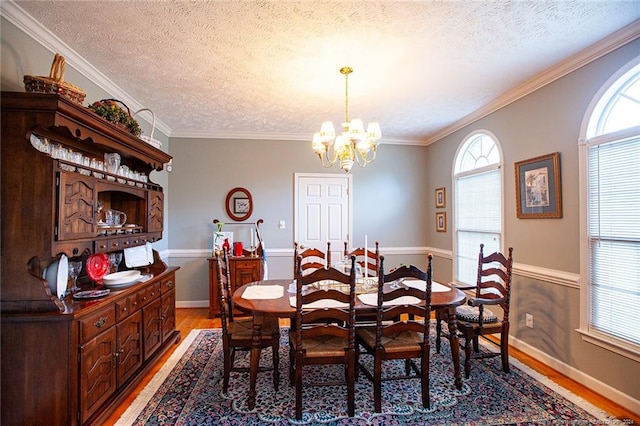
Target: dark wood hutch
<point>70,362</point>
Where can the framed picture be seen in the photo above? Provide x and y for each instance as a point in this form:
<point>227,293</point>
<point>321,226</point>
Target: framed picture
<point>441,222</point>
<point>441,200</point>
<point>538,191</point>
<point>240,205</point>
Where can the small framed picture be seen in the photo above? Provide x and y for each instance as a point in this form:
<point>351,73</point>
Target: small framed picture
<point>441,200</point>
<point>240,205</point>
<point>538,190</point>
<point>441,222</point>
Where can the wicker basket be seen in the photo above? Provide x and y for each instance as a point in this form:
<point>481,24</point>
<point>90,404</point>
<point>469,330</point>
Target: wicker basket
<point>149,139</point>
<point>54,84</point>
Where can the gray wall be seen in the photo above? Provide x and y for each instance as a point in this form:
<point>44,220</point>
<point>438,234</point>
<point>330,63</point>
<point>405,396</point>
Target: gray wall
<point>388,198</point>
<point>545,121</point>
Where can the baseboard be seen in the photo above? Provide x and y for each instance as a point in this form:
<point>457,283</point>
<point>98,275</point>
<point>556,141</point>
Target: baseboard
<point>607,391</point>
<point>192,304</point>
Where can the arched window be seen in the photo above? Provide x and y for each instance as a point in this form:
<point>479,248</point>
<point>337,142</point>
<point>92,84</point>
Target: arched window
<point>478,202</point>
<point>610,203</point>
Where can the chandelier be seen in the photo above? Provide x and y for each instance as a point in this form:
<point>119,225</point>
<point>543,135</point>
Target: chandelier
<point>353,145</point>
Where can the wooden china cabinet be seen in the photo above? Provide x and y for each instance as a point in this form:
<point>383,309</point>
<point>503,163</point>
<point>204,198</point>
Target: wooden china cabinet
<point>71,362</point>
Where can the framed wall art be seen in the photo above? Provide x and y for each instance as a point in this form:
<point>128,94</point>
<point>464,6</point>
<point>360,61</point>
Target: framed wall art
<point>441,222</point>
<point>538,188</point>
<point>239,204</point>
<point>441,200</point>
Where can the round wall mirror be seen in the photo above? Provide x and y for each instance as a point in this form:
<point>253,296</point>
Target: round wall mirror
<point>239,204</point>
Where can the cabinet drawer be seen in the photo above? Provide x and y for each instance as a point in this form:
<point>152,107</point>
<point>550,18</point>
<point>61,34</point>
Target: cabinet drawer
<point>149,293</point>
<point>125,242</point>
<point>113,244</point>
<point>96,323</point>
<point>246,264</point>
<point>102,246</point>
<point>127,306</point>
<point>168,284</point>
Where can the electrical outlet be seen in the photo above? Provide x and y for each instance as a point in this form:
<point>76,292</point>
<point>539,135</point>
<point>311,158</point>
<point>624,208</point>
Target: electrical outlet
<point>528,319</point>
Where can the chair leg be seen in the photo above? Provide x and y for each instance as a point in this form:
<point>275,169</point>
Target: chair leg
<point>424,378</point>
<point>407,367</point>
<point>504,348</point>
<point>351,386</point>
<point>275,349</point>
<point>476,345</point>
<point>467,356</point>
<point>438,330</point>
<point>377,384</point>
<point>298,380</point>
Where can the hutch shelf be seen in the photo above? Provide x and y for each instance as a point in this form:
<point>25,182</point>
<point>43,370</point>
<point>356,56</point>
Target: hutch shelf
<point>67,361</point>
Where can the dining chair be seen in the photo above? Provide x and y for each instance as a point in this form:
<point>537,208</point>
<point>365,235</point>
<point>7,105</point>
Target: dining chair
<point>368,261</point>
<point>324,332</point>
<point>493,288</point>
<point>312,258</point>
<point>402,328</point>
<point>237,334</point>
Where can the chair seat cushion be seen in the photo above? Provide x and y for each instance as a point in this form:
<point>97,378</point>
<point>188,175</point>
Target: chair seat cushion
<point>399,342</point>
<point>321,346</point>
<point>243,328</point>
<point>472,314</point>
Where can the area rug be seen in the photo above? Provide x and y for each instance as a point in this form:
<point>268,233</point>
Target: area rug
<point>188,391</point>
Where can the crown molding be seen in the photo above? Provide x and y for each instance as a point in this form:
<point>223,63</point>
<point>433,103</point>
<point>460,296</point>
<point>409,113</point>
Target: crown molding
<point>204,134</point>
<point>580,59</point>
<point>34,29</point>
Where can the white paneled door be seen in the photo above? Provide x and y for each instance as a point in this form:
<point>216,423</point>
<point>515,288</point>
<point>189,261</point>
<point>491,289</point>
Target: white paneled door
<point>323,211</point>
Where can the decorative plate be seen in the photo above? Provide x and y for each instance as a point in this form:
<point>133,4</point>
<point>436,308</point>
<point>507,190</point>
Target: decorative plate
<point>91,294</point>
<point>97,266</point>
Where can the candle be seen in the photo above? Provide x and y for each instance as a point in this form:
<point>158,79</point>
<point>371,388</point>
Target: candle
<point>251,233</point>
<point>366,257</point>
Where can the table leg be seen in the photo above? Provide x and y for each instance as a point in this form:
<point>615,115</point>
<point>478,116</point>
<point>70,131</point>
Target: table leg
<point>455,346</point>
<point>255,360</point>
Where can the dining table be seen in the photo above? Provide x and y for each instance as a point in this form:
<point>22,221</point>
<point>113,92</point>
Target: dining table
<point>264,298</point>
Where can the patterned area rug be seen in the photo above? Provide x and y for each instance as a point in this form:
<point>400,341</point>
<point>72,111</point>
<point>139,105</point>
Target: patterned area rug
<point>188,391</point>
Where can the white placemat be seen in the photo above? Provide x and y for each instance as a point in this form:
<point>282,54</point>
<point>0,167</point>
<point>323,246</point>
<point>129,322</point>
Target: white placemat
<point>421,285</point>
<point>372,300</point>
<point>319,304</point>
<point>263,292</point>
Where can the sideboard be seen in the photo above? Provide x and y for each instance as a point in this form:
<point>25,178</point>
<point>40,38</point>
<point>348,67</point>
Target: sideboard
<point>66,361</point>
<point>242,270</point>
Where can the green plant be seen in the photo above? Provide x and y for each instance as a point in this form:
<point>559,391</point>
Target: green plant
<point>111,111</point>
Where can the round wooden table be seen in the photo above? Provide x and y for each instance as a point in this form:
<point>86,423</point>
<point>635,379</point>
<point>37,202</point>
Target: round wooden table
<point>281,308</point>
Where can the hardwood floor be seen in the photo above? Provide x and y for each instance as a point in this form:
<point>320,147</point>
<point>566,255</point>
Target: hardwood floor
<point>192,318</point>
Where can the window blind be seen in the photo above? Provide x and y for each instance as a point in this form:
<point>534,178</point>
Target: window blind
<point>614,238</point>
<point>478,220</point>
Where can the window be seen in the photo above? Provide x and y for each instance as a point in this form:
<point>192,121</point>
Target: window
<point>478,203</point>
<point>610,197</point>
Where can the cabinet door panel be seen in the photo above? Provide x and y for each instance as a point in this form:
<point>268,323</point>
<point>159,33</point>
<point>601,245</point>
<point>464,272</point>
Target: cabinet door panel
<point>129,346</point>
<point>97,372</point>
<point>151,315</point>
<point>76,217</point>
<point>156,209</point>
<point>168,313</point>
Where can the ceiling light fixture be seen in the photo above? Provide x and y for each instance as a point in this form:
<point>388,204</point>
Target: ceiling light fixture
<point>353,145</point>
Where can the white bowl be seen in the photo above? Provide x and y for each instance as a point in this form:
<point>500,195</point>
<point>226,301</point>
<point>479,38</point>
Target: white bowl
<point>121,278</point>
<point>57,275</point>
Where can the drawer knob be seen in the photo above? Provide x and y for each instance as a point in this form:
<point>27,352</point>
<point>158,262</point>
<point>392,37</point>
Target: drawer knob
<point>101,322</point>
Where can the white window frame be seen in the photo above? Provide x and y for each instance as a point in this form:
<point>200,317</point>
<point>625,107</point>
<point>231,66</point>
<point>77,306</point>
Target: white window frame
<point>499,166</point>
<point>588,137</point>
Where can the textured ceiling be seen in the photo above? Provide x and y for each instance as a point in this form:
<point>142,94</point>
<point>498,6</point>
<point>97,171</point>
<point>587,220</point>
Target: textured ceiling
<point>270,68</point>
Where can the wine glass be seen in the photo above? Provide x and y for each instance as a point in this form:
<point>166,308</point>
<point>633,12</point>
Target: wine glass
<point>114,261</point>
<point>74,270</point>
